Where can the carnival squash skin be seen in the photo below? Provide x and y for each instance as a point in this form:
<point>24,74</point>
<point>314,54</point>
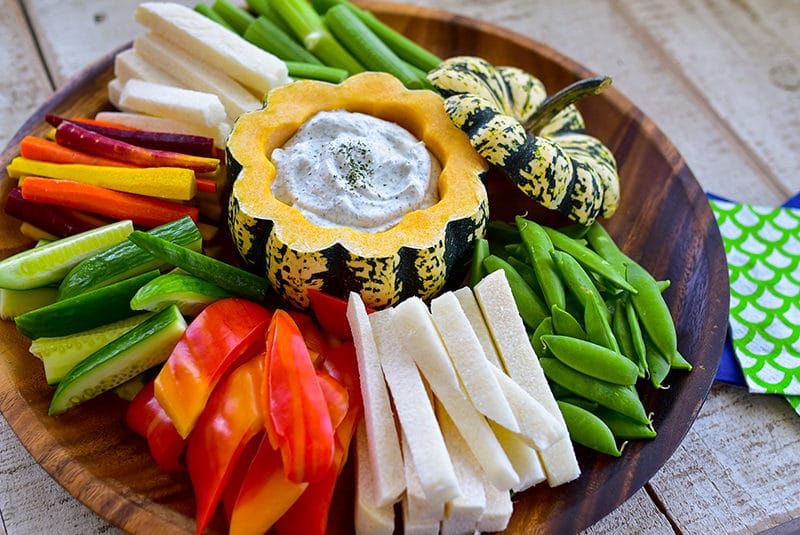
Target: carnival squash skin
<point>414,257</point>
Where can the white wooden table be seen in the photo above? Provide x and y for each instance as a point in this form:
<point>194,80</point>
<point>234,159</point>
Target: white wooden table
<point>720,77</point>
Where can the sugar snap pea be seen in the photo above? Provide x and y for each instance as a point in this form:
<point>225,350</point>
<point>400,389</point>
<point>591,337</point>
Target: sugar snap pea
<point>545,327</point>
<point>679,362</point>
<point>480,250</point>
<point>576,280</point>
<point>621,398</point>
<point>531,308</point>
<point>589,259</point>
<point>603,244</point>
<point>538,245</point>
<point>588,430</point>
<point>502,232</point>
<point>565,323</point>
<point>652,309</point>
<point>658,364</point>
<point>598,328</point>
<point>592,359</point>
<point>578,401</point>
<point>623,427</point>
<point>622,332</point>
<point>636,335</point>
<point>526,272</point>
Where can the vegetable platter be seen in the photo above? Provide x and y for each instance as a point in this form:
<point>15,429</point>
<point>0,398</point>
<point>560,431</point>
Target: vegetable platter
<point>663,221</point>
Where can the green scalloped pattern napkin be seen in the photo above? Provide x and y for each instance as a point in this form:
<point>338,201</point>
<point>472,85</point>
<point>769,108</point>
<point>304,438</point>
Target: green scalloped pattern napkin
<point>762,245</point>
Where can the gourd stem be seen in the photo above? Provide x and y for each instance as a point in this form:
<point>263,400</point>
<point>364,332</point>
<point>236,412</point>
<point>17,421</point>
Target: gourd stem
<point>554,104</point>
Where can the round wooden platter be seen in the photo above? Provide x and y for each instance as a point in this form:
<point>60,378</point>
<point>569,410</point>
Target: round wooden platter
<point>663,221</point>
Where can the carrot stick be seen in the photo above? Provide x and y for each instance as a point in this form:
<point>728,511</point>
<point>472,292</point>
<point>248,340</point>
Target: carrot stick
<point>96,122</point>
<point>206,185</point>
<point>37,148</point>
<point>76,137</point>
<point>142,210</point>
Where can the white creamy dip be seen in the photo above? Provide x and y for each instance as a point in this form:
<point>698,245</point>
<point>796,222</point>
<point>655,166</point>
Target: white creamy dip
<point>352,169</point>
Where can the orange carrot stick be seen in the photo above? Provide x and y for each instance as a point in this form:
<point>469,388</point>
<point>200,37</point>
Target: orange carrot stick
<point>107,124</point>
<point>206,185</point>
<point>142,210</point>
<point>37,148</point>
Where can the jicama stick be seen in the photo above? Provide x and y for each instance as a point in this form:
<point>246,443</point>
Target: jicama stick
<point>144,211</point>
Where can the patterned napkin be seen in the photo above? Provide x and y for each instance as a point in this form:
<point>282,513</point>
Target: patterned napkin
<point>762,245</point>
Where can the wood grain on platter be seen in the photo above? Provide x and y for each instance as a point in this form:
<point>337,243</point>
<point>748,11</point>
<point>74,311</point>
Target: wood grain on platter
<point>663,221</point>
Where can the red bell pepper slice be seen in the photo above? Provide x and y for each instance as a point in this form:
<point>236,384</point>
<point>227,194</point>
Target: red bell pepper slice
<point>331,313</point>
<point>310,514</point>
<point>297,421</point>
<point>231,418</point>
<point>260,493</point>
<point>215,340</point>
<point>146,417</point>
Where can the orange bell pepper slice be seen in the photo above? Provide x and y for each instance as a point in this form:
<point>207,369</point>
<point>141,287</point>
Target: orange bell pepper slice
<point>231,418</point>
<point>220,336</point>
<point>260,493</point>
<point>297,418</point>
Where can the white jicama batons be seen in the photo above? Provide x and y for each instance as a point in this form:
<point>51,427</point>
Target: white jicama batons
<point>246,63</point>
<point>522,365</point>
<point>467,442</point>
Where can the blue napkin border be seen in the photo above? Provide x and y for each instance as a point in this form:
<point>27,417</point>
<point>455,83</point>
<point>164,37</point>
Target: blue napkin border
<point>729,370</point>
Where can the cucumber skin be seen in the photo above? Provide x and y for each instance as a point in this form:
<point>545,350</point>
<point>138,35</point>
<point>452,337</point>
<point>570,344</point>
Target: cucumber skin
<point>84,311</point>
<point>12,278</point>
<point>226,276</point>
<point>190,293</point>
<point>148,344</point>
<point>126,259</point>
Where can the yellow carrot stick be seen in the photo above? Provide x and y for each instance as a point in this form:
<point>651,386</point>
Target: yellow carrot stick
<point>163,182</point>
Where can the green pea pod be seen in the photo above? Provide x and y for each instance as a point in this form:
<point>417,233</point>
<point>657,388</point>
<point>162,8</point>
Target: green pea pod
<point>663,285</point>
<point>679,362</point>
<point>598,328</point>
<point>502,232</point>
<point>602,243</point>
<point>636,336</point>
<point>592,359</point>
<point>588,430</point>
<point>621,398</point>
<point>544,328</point>
<point>577,281</point>
<point>578,401</point>
<point>652,309</point>
<point>531,308</point>
<point>589,259</point>
<point>515,250</point>
<point>623,427</point>
<point>526,272</point>
<point>565,324</point>
<point>622,332</point>
<point>538,246</point>
<point>658,364</point>
<point>480,250</point>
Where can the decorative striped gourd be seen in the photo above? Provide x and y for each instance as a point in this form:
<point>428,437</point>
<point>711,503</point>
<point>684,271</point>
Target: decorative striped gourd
<point>414,257</point>
<point>540,142</point>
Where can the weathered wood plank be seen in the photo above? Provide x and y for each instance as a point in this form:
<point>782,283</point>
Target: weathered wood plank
<point>74,34</point>
<point>24,84</point>
<point>736,471</point>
